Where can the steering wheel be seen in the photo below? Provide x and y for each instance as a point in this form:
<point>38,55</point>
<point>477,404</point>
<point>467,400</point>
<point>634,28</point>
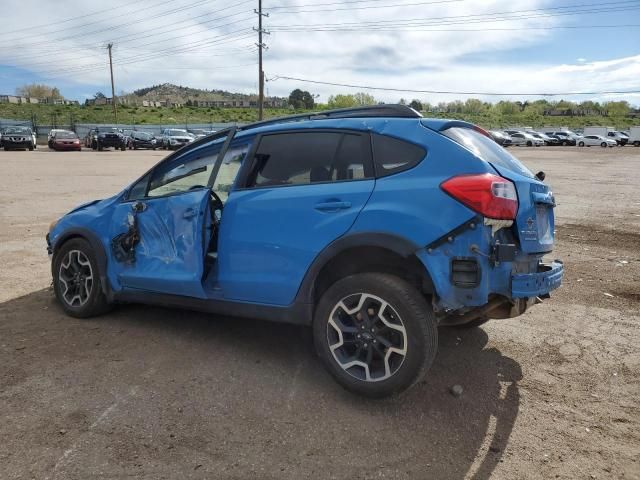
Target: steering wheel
<point>216,203</point>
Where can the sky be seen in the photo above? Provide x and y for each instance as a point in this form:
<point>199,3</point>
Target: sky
<point>493,46</point>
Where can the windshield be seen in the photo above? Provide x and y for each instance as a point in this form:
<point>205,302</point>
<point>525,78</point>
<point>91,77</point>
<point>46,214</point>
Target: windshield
<point>486,149</point>
<point>178,133</point>
<point>143,135</point>
<point>22,130</point>
<point>66,135</point>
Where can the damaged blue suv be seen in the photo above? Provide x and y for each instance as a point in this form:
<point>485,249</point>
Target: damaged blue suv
<point>372,225</point>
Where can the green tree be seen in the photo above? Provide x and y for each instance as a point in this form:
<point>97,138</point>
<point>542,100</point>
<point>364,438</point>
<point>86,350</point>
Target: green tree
<point>301,99</point>
<point>99,95</point>
<point>416,105</point>
<point>341,101</point>
<point>37,90</point>
<point>364,99</point>
<point>617,109</point>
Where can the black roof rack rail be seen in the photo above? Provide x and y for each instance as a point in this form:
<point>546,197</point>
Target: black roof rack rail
<point>384,110</point>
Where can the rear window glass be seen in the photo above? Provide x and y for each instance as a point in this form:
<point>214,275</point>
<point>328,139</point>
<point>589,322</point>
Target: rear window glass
<point>392,155</point>
<point>487,149</point>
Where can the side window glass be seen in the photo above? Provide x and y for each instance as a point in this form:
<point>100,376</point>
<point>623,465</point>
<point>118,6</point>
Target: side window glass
<point>229,168</point>
<point>139,189</point>
<point>392,155</point>
<point>182,174</point>
<point>303,158</point>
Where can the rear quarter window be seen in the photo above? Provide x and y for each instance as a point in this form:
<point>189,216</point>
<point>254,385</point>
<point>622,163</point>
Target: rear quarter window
<point>486,149</point>
<point>392,155</point>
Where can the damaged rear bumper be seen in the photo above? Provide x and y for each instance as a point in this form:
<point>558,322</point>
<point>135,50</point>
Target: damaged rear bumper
<point>546,279</point>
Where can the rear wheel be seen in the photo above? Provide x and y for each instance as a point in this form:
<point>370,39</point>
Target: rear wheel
<point>603,145</point>
<point>529,144</point>
<point>565,143</point>
<point>375,333</point>
<point>581,144</point>
<point>76,280</point>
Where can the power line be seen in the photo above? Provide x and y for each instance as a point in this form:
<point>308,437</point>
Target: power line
<point>351,2</point>
<point>392,29</point>
<point>484,17</point>
<point>448,92</point>
<point>121,25</point>
<point>31,28</point>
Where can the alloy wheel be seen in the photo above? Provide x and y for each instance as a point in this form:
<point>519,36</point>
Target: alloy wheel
<point>76,278</point>
<point>366,337</point>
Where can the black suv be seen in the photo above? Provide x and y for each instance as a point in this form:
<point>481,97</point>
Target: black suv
<point>101,138</point>
<point>136,140</point>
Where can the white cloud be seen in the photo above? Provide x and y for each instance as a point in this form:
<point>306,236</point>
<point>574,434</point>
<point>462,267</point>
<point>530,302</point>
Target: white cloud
<point>146,53</point>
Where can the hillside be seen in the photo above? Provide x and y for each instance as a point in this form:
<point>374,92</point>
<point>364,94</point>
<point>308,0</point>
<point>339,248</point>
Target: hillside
<point>137,115</point>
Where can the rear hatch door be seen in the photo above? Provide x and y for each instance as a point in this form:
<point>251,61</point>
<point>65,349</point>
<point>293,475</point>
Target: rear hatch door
<point>534,222</point>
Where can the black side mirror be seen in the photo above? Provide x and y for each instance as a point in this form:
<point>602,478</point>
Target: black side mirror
<point>540,176</point>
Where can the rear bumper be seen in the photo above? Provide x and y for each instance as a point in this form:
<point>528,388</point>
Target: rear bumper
<point>529,285</point>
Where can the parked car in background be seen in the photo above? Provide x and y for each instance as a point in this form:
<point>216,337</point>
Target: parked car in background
<point>525,139</point>
<point>51,133</point>
<point>608,132</point>
<point>313,222</point>
<point>634,136</point>
<point>501,138</point>
<point>565,137</point>
<point>596,140</point>
<point>548,140</point>
<point>64,140</point>
<point>139,139</point>
<point>198,132</point>
<point>100,138</point>
<point>18,138</point>
<point>173,138</point>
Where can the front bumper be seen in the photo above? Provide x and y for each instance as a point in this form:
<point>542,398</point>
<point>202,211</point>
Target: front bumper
<point>12,144</point>
<point>529,285</point>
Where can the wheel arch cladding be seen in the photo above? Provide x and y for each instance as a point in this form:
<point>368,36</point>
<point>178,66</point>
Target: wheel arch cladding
<point>364,252</point>
<point>98,250</point>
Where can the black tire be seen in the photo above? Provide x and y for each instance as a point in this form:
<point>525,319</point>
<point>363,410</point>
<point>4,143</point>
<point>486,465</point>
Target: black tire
<point>603,145</point>
<point>123,148</point>
<point>31,148</point>
<point>529,144</point>
<point>581,144</point>
<point>636,143</point>
<point>93,302</point>
<point>472,324</point>
<point>406,308</point>
<point>100,148</point>
<point>565,143</point>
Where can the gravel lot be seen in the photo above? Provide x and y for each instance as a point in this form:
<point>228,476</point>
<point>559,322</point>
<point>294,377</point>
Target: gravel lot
<point>151,393</point>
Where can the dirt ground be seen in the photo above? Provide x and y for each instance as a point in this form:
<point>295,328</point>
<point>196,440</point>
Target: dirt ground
<point>153,393</point>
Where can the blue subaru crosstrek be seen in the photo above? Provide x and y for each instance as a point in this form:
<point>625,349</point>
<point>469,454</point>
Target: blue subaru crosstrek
<point>372,225</point>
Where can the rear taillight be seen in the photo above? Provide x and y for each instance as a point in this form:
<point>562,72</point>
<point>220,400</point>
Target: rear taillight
<point>489,195</point>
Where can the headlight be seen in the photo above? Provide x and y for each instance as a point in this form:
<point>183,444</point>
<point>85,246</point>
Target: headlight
<point>153,140</point>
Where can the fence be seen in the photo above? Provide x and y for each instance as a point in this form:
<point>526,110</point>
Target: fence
<point>81,129</point>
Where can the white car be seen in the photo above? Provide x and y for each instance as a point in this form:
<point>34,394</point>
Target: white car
<point>174,138</point>
<point>595,141</point>
<point>522,138</point>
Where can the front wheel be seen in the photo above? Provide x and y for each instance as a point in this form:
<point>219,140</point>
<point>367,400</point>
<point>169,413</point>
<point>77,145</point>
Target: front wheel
<point>603,145</point>
<point>375,333</point>
<point>76,280</point>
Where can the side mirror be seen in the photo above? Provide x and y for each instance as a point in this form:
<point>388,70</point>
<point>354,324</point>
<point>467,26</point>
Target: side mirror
<point>540,176</point>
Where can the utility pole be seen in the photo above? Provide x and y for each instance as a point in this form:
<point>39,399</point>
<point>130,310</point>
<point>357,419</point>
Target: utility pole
<point>261,46</point>
<point>113,88</point>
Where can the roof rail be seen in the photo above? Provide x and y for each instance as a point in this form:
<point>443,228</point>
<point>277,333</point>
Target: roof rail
<point>388,111</point>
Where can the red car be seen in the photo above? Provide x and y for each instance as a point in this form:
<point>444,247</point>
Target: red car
<point>65,140</point>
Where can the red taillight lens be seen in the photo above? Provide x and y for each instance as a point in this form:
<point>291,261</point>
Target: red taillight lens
<point>487,194</point>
